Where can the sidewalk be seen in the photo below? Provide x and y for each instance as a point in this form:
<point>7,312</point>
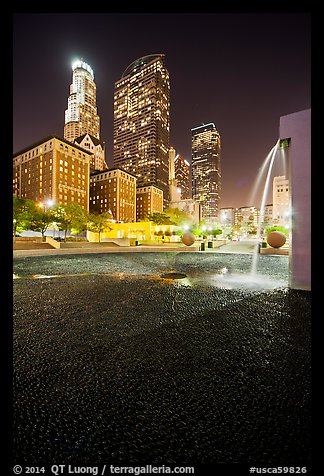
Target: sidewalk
<point>102,249</point>
<point>235,247</point>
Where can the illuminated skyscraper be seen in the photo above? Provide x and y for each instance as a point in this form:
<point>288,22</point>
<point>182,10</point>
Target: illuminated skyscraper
<point>81,115</point>
<point>179,176</point>
<point>142,122</point>
<point>182,175</point>
<point>206,174</point>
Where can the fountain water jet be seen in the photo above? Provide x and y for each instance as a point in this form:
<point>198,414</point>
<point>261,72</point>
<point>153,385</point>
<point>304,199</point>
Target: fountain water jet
<point>270,158</point>
<point>261,172</point>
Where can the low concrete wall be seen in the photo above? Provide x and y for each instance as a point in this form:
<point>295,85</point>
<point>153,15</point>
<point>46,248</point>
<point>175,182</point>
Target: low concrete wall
<point>52,242</point>
<point>32,239</point>
<point>85,244</point>
<point>274,251</point>
<point>118,241</point>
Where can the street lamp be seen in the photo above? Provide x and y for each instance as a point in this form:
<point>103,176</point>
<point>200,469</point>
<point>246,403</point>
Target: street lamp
<point>47,204</point>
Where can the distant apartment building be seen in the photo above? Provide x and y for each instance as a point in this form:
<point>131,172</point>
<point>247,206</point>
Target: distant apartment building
<point>281,201</point>
<point>142,122</point>
<point>148,200</point>
<point>268,214</point>
<point>97,149</point>
<point>52,169</point>
<point>189,206</point>
<point>244,216</point>
<point>226,216</point>
<point>81,114</point>
<point>206,173</point>
<point>113,190</point>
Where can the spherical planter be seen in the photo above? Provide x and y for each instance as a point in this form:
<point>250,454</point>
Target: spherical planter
<point>276,239</point>
<point>188,239</point>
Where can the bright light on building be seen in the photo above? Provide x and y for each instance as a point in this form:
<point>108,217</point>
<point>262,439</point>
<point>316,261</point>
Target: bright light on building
<point>81,64</point>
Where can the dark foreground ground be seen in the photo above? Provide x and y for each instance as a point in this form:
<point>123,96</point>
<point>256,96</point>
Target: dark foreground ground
<point>115,364</point>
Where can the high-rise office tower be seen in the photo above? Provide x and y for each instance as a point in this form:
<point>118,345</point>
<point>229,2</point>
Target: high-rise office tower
<point>81,114</point>
<point>182,175</point>
<point>142,122</point>
<point>206,174</point>
<point>175,192</point>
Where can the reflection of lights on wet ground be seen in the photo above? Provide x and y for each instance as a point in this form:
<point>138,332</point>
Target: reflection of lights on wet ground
<point>246,281</point>
<point>184,282</point>
<point>223,279</point>
<point>226,280</point>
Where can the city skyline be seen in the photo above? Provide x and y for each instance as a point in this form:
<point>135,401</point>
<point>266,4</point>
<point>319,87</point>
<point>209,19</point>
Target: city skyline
<point>262,73</point>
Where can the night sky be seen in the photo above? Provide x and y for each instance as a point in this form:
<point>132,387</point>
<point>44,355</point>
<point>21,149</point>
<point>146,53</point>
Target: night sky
<point>242,71</point>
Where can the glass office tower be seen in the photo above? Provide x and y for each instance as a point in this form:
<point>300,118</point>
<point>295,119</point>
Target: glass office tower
<point>142,122</point>
<point>206,174</point>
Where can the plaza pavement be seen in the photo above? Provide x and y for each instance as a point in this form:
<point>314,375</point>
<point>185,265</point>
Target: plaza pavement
<point>114,363</point>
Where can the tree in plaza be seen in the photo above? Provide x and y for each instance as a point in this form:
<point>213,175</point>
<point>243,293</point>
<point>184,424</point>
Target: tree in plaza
<point>200,228</point>
<point>159,218</point>
<point>195,229</point>
<point>40,219</point>
<point>282,229</point>
<point>216,230</point>
<point>70,217</point>
<point>228,231</point>
<point>99,222</point>
<point>178,217</point>
<point>22,214</point>
<point>248,228</point>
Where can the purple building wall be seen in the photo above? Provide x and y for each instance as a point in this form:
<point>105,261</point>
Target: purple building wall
<point>297,127</point>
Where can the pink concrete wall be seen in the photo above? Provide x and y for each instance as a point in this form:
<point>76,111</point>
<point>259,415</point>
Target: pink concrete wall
<point>297,127</point>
